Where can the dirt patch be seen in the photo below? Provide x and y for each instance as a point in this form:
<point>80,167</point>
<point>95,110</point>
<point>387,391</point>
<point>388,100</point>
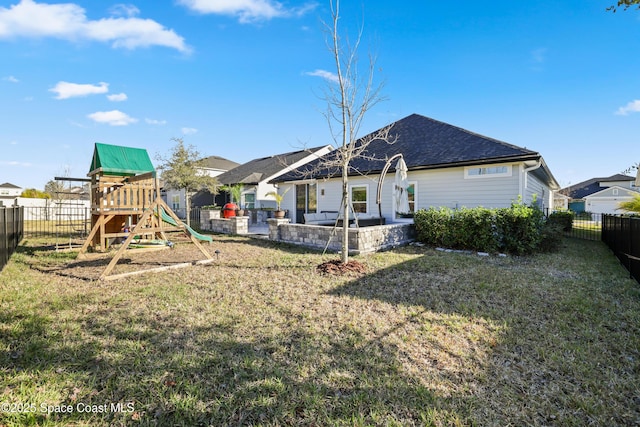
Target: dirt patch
<point>338,268</point>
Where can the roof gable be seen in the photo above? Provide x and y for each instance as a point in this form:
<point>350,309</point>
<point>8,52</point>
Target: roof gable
<point>258,170</point>
<point>609,192</point>
<point>118,160</point>
<point>591,186</point>
<point>9,185</point>
<point>219,163</point>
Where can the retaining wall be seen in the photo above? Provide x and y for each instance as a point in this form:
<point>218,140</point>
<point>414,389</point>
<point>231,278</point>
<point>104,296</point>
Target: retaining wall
<point>361,240</point>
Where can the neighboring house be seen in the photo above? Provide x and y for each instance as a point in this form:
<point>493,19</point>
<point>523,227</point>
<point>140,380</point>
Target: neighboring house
<point>255,176</point>
<point>447,166</point>
<point>560,201</point>
<point>8,194</point>
<point>213,166</point>
<point>601,195</point>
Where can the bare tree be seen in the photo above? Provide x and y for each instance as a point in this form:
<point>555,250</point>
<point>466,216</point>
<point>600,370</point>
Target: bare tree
<point>349,96</point>
<point>182,170</point>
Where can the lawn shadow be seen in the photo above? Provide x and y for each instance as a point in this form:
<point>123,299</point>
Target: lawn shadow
<point>531,334</point>
<point>175,373</point>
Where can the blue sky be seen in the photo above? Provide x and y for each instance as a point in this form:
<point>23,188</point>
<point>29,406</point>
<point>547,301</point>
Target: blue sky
<point>242,79</point>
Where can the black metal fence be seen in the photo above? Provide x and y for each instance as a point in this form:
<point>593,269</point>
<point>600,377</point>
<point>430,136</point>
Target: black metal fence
<point>11,231</point>
<point>586,225</point>
<point>51,221</point>
<point>622,235</point>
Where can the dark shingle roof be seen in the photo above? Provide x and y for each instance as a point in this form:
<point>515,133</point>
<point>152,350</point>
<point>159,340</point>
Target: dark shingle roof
<point>9,185</point>
<point>426,143</point>
<point>590,186</point>
<point>260,169</point>
<point>220,163</point>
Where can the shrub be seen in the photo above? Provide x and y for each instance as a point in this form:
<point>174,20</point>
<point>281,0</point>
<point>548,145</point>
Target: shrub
<point>563,219</point>
<point>474,229</point>
<point>550,237</point>
<point>432,224</point>
<point>519,230</point>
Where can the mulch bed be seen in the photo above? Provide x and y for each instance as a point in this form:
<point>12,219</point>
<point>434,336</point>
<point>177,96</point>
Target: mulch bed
<point>337,268</point>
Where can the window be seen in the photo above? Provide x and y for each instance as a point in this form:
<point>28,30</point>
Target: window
<point>175,202</point>
<point>615,191</point>
<point>306,200</point>
<point>359,198</point>
<point>487,171</point>
<point>249,200</point>
<point>411,192</point>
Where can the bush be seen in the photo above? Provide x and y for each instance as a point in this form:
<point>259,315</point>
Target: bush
<point>519,230</point>
<point>551,236</point>
<point>563,219</point>
<point>432,225</point>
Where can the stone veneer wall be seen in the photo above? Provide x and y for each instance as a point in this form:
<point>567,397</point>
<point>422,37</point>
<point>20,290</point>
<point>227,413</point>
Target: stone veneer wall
<point>361,240</point>
<point>233,225</point>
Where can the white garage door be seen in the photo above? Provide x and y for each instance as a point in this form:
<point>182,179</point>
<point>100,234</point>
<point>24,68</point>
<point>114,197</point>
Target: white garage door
<point>608,206</point>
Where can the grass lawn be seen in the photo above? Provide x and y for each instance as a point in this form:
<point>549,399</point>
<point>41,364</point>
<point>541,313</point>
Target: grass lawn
<point>261,338</point>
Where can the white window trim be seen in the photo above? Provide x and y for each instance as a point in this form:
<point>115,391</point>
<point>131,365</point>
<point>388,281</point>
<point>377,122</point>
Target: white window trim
<point>415,198</point>
<point>366,186</point>
<point>508,172</point>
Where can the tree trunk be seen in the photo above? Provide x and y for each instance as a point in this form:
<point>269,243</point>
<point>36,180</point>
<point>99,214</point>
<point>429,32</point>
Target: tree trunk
<point>345,214</point>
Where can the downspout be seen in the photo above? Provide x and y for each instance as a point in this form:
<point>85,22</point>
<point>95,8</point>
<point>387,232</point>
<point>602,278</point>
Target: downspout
<point>526,171</point>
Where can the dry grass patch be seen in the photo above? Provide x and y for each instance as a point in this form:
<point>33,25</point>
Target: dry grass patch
<point>261,338</point>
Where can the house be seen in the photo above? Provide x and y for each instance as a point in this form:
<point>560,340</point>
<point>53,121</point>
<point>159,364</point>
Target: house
<point>601,195</point>
<point>8,194</point>
<point>447,166</point>
<point>212,166</point>
<point>255,175</point>
<point>560,201</point>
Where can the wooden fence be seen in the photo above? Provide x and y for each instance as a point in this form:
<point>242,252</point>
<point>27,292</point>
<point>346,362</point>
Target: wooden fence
<point>11,231</point>
<point>622,235</point>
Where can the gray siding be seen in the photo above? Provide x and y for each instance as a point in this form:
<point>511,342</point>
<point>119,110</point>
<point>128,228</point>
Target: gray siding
<point>437,188</point>
<point>449,188</point>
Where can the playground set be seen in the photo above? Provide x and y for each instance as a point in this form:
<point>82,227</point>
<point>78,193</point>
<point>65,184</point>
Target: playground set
<point>126,207</point>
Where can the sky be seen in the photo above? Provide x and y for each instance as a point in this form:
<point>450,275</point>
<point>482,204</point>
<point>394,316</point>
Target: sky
<point>244,79</point>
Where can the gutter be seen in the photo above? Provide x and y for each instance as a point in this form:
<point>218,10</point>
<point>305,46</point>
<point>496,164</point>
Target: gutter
<point>525,172</point>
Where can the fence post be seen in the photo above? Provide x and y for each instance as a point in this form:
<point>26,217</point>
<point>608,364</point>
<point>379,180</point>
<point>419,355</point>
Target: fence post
<point>4,243</point>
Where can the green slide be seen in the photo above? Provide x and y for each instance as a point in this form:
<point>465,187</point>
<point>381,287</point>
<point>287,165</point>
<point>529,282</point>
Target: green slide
<point>166,218</point>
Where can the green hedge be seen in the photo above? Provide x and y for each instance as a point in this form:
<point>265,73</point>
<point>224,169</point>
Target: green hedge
<point>519,230</point>
<point>563,219</point>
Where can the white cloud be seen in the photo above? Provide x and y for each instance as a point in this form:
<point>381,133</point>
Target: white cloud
<point>156,122</point>
<point>68,21</point>
<point>327,75</point>
<point>112,118</point>
<point>247,10</point>
<point>15,163</point>
<point>11,79</point>
<point>117,97</point>
<point>124,10</point>
<point>631,107</point>
<point>65,90</point>
<point>189,131</point>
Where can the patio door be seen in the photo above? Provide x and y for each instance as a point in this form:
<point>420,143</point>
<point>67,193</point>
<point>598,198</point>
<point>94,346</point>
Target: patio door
<point>306,200</point>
